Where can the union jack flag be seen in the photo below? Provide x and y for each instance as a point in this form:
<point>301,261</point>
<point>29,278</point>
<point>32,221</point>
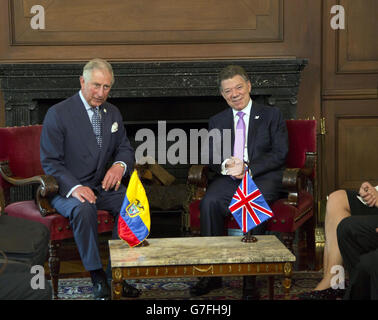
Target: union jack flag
<point>248,205</point>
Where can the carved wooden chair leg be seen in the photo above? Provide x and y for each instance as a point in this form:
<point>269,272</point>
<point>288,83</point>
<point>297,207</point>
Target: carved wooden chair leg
<point>54,265</point>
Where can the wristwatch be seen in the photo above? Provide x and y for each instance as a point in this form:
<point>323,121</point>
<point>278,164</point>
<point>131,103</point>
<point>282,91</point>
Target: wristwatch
<point>120,164</point>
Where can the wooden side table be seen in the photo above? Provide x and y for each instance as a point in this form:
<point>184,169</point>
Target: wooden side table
<point>201,257</point>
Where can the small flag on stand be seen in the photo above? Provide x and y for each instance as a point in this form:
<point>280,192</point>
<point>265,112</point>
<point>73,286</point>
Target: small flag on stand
<point>134,220</point>
<point>248,205</point>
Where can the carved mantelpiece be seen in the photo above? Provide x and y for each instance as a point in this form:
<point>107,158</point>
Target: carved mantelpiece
<point>24,85</point>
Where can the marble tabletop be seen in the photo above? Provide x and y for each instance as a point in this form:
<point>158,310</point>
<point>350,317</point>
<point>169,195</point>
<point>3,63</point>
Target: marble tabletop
<point>199,250</point>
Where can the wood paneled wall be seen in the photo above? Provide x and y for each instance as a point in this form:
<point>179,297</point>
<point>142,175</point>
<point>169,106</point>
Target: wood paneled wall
<point>142,30</point>
<point>339,84</point>
<point>146,22</point>
<point>350,96</point>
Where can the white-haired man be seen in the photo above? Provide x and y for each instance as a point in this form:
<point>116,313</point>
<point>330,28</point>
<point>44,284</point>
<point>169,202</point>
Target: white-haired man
<point>81,136</point>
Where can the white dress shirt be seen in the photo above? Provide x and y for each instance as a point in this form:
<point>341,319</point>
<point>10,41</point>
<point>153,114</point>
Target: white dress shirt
<point>247,111</point>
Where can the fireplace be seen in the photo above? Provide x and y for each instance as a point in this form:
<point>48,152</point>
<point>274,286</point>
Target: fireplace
<point>183,94</point>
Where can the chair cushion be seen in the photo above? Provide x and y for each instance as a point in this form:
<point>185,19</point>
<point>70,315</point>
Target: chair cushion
<point>194,213</point>
<point>58,225</point>
<point>288,218</point>
<point>231,223</point>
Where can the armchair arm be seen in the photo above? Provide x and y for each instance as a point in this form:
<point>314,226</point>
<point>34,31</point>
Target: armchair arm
<point>294,179</point>
<point>47,187</point>
<point>297,179</point>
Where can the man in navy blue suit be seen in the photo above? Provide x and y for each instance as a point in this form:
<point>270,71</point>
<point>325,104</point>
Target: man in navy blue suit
<point>264,155</point>
<point>88,164</point>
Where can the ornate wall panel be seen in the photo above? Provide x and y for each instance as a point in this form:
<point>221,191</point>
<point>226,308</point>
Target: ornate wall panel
<point>357,158</point>
<point>358,43</point>
<point>113,22</point>
<point>352,136</point>
<point>350,96</point>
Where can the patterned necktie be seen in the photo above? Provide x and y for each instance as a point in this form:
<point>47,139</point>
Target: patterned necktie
<point>96,123</point>
<point>239,137</point>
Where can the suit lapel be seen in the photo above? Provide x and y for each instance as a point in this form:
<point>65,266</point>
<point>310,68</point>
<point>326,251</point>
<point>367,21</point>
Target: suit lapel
<point>254,123</point>
<point>84,126</point>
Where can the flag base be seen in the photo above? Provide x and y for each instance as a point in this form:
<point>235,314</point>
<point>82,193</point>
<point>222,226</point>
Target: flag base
<point>249,238</point>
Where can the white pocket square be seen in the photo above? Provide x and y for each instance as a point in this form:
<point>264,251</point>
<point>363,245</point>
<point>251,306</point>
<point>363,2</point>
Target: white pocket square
<point>256,117</point>
<point>114,127</point>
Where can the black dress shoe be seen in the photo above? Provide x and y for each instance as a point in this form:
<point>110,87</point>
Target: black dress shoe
<point>205,285</point>
<point>326,294</point>
<point>101,290</point>
<point>129,291</point>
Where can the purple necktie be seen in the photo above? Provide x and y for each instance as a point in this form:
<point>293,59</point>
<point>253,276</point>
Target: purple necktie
<point>239,137</point>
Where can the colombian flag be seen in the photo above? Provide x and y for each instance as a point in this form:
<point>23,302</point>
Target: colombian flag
<point>134,219</point>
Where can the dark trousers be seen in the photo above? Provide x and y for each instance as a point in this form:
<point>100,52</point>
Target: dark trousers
<point>358,243</point>
<point>215,203</point>
<point>214,210</point>
<point>83,220</point>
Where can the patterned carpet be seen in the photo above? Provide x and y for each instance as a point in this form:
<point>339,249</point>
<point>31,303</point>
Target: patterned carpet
<point>178,288</point>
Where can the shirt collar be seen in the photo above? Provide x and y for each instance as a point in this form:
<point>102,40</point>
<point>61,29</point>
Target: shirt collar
<point>246,110</point>
<point>86,104</point>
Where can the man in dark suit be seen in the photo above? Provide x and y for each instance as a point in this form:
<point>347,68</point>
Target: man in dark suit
<point>263,153</point>
<point>85,147</point>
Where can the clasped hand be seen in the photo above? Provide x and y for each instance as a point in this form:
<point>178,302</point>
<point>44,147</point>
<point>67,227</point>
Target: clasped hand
<point>235,167</point>
<point>111,180</point>
<point>369,194</point>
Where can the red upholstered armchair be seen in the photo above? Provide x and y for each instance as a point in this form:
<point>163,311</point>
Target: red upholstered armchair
<point>299,179</point>
<point>20,165</point>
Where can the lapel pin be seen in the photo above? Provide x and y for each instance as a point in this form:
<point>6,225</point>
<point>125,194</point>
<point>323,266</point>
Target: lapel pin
<point>257,117</point>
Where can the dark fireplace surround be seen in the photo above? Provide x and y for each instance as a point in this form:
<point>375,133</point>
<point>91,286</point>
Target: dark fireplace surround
<point>28,89</point>
<point>182,93</point>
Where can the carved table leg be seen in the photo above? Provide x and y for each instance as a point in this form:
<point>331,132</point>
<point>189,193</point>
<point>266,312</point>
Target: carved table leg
<point>116,283</point>
<point>286,283</point>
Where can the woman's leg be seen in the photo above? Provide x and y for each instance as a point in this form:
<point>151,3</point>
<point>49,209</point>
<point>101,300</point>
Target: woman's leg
<point>337,209</point>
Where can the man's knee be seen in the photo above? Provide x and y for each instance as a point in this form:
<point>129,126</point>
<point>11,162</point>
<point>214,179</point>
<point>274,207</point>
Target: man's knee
<point>85,212</point>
